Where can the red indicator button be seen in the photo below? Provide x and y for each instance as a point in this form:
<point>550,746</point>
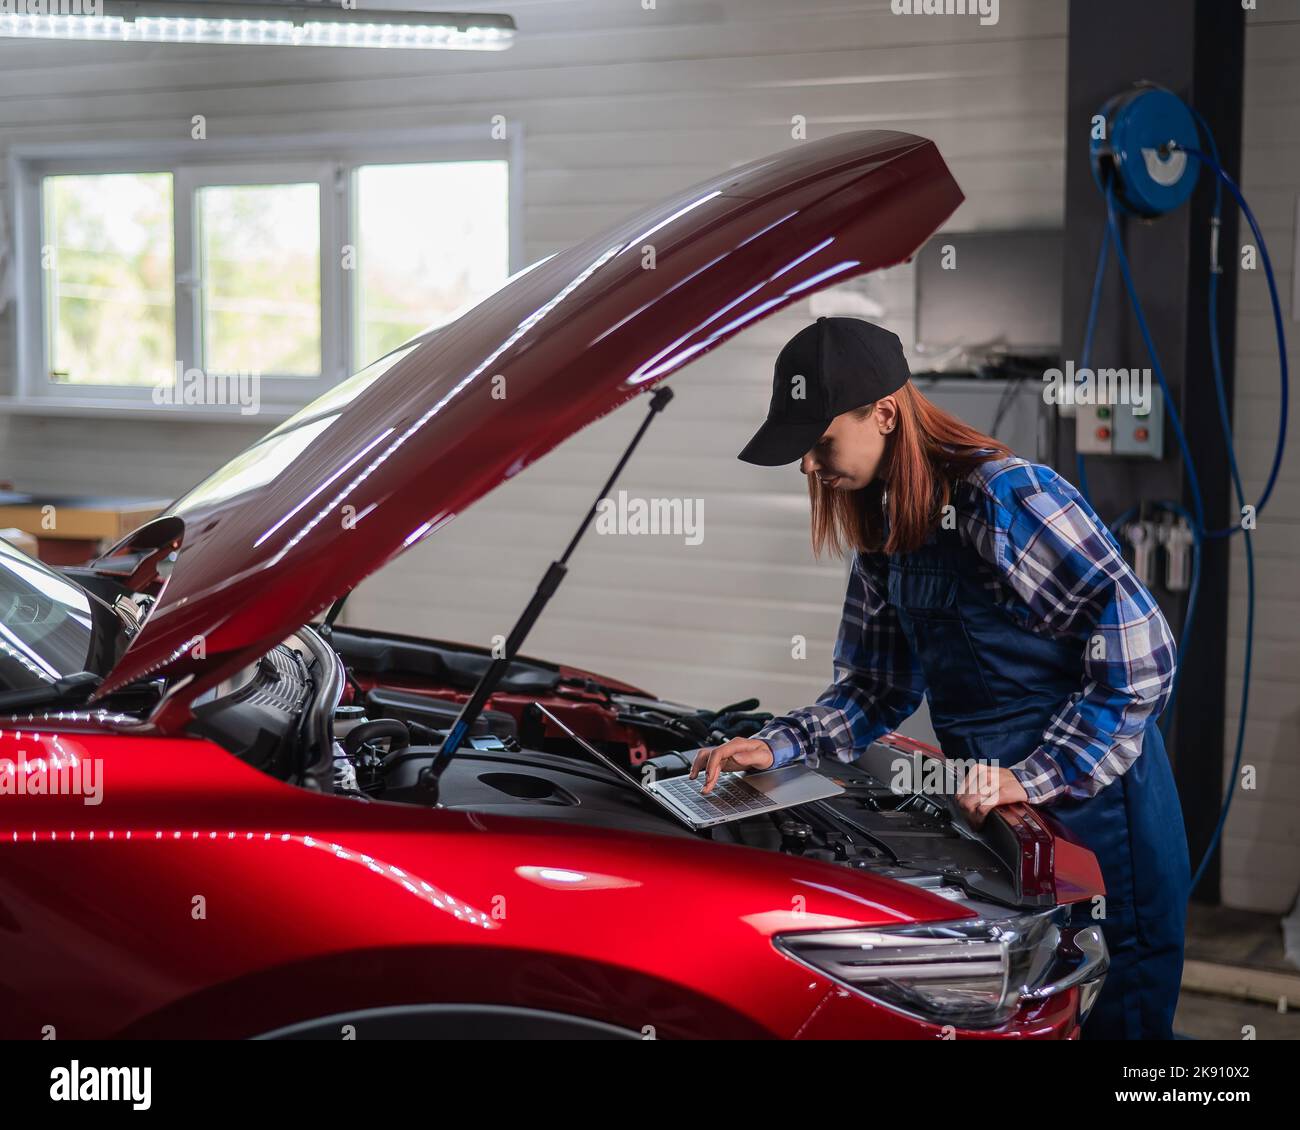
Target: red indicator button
<point>1141,435</point>
<point>1103,433</point>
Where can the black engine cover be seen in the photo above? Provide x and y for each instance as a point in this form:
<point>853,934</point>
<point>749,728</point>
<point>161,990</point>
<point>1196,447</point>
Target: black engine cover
<point>540,786</point>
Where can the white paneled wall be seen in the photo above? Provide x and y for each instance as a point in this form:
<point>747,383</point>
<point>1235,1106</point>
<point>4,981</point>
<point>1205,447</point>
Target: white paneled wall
<point>621,106</point>
<point>1261,847</point>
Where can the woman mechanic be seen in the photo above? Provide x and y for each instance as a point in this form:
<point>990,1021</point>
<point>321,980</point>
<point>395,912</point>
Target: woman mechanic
<point>987,584</point>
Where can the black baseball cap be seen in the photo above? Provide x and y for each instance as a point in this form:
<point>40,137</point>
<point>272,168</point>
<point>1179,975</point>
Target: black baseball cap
<point>826,369</point>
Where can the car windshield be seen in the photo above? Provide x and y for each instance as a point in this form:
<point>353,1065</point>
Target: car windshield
<point>46,623</point>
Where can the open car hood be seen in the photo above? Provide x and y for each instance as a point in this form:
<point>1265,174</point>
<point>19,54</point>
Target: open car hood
<point>387,457</point>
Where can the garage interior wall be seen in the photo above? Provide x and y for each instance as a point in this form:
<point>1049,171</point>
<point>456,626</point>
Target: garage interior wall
<point>621,106</point>
<point>1261,843</point>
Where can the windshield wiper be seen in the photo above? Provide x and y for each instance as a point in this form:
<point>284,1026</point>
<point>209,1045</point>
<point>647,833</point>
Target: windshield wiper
<point>74,688</point>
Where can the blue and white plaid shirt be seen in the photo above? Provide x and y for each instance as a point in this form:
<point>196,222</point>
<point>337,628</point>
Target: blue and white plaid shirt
<point>1053,567</point>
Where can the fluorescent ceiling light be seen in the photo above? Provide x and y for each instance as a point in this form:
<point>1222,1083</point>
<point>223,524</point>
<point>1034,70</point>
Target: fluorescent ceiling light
<point>286,23</point>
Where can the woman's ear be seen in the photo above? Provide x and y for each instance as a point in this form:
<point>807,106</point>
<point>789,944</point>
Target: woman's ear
<point>886,414</point>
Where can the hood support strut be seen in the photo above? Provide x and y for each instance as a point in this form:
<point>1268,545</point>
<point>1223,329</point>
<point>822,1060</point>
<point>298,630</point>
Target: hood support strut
<point>545,590</point>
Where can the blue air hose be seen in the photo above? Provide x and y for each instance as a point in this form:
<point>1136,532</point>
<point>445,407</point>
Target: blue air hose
<point>1196,520</point>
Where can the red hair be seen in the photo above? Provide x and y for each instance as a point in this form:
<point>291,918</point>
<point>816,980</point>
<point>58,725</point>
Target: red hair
<point>925,453</point>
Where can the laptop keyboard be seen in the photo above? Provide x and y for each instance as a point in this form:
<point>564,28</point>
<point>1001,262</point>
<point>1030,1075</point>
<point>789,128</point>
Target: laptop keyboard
<point>731,796</point>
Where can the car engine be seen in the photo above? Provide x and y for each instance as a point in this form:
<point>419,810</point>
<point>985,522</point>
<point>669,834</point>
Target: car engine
<point>286,716</point>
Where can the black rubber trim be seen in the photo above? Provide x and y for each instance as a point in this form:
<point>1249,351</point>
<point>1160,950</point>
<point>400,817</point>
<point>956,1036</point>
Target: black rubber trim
<point>452,1022</point>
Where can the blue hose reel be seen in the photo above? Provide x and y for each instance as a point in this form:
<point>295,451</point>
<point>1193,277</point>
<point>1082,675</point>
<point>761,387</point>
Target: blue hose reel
<point>1142,126</point>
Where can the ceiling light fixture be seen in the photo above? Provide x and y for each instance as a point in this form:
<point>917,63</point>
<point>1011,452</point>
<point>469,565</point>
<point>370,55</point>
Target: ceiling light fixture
<point>293,23</point>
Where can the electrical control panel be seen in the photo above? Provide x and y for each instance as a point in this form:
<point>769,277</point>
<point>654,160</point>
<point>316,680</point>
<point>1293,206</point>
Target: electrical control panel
<point>1121,429</point>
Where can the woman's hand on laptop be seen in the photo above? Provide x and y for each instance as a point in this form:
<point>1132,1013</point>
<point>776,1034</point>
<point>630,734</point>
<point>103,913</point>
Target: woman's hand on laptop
<point>731,757</point>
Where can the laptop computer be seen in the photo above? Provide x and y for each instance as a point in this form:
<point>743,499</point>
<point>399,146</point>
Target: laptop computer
<point>735,796</point>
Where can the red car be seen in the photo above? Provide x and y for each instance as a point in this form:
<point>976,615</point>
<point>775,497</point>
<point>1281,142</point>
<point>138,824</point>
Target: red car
<point>219,818</point>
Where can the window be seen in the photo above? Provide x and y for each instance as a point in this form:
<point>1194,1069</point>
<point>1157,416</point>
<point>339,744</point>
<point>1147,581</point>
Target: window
<point>259,278</point>
<point>139,269</point>
<point>110,313</point>
<point>458,254</point>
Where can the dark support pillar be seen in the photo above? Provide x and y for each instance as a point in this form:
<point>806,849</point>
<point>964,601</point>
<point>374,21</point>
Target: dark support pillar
<point>1195,48</point>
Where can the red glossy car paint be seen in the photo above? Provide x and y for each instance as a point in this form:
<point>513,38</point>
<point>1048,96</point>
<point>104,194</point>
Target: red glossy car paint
<point>205,898</point>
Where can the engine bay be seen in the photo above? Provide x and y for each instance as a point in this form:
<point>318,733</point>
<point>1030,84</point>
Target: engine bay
<point>363,716</point>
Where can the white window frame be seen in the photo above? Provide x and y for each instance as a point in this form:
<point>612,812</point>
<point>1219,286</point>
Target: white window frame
<point>190,347</point>
<point>329,159</point>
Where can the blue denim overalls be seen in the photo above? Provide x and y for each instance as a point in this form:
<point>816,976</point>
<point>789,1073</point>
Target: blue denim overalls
<point>993,686</point>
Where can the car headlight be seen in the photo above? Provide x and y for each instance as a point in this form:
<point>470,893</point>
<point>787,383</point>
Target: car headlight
<point>972,973</point>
